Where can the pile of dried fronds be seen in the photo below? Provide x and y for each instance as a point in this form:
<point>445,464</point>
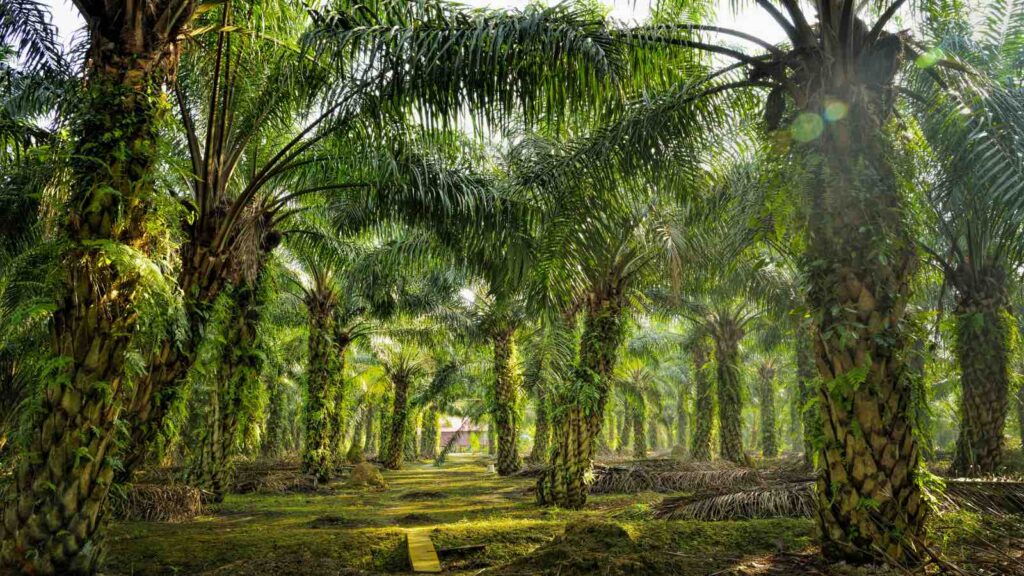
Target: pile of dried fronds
<point>796,499</point>
<point>277,477</point>
<point>157,503</point>
<point>990,496</point>
<point>643,476</point>
<point>793,500</point>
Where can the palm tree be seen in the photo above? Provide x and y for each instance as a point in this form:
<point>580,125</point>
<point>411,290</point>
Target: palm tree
<point>974,134</point>
<point>766,374</point>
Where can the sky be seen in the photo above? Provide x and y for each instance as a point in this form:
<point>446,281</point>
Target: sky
<point>751,20</point>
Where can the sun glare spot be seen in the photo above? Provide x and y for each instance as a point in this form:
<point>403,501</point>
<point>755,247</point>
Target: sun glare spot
<point>835,110</point>
<point>807,127</point>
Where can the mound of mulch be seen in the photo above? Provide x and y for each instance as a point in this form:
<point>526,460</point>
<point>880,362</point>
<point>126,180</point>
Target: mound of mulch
<point>641,478</point>
<point>335,521</point>
<point>773,501</point>
<point>272,482</point>
<point>585,548</point>
<point>414,519</point>
<point>157,503</point>
<point>366,475</point>
<point>423,495</point>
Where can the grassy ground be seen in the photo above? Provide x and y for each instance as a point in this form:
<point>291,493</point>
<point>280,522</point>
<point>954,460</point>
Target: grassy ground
<point>344,531</point>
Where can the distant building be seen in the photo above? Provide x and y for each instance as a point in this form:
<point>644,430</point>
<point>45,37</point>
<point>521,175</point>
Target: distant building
<point>470,435</point>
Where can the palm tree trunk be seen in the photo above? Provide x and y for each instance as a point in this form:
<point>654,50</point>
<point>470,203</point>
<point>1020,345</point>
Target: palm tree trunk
<point>274,440</point>
<point>730,403</point>
<point>1020,414</point>
<point>639,417</point>
<point>625,429</point>
<point>338,427</point>
<point>541,433</point>
<point>859,261</point>
<point>704,408</point>
<point>578,423</point>
<point>506,390</point>
<point>394,445</point>
<point>54,517</point>
<point>983,351</point>
<point>682,421</point>
<point>766,393</point>
<point>431,437</point>
<point>811,415</point>
<point>370,447</point>
<point>317,450</point>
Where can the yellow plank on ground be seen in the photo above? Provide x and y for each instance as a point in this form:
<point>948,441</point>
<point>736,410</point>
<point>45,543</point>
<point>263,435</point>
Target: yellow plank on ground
<point>421,551</point>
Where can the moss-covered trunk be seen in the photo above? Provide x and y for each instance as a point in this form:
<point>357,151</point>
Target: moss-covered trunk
<point>370,447</point>
<point>704,404</point>
<point>859,260</point>
<point>504,411</point>
<point>766,397</point>
<point>625,432</point>
<point>541,430</point>
<point>430,439</point>
<point>394,443</point>
<point>580,414</point>
<point>682,419</point>
<point>321,374</point>
<point>982,347</point>
<point>639,418</point>
<point>339,427</point>
<point>808,398</point>
<point>275,439</point>
<point>730,401</point>
<point>55,511</point>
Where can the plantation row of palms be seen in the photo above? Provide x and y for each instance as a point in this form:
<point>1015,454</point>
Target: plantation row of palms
<point>259,228</point>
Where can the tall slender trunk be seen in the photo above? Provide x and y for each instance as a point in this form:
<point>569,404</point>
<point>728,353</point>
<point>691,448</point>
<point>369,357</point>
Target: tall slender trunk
<point>274,440</point>
<point>639,418</point>
<point>922,412</point>
<point>859,261</point>
<point>682,419</point>
<point>983,327</point>
<point>578,421</point>
<point>805,377</point>
<point>394,444</point>
<point>430,440</point>
<point>1020,414</point>
<point>704,404</point>
<point>730,403</point>
<point>506,391</point>
<point>541,432</point>
<point>339,428</point>
<point>318,450</point>
<point>766,397</point>
<point>625,432</point>
<point>370,447</point>
<point>54,516</point>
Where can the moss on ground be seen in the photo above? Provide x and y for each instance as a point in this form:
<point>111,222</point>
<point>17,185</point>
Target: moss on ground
<point>340,530</point>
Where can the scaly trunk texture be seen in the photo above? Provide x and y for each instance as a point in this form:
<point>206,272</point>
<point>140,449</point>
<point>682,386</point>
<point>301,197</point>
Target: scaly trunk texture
<point>983,328</point>
<point>506,391</point>
<point>384,426</point>
<point>55,511</point>
<point>682,420</point>
<point>730,403</point>
<point>275,439</point>
<point>704,405</point>
<point>922,412</point>
<point>766,397</point>
<point>653,442</point>
<point>370,447</point>
<point>859,261</point>
<point>430,439</point>
<point>321,373</point>
<point>811,415</point>
<point>1020,413</point>
<point>625,431</point>
<point>639,417</point>
<point>237,384</point>
<point>410,448</point>
<point>338,427</point>
<point>541,433</point>
<point>394,443</point>
<point>578,421</point>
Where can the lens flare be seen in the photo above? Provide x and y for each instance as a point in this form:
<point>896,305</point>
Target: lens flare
<point>807,127</point>
<point>835,110</point>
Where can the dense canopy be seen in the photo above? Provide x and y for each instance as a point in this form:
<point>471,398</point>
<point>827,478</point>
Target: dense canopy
<point>284,284</point>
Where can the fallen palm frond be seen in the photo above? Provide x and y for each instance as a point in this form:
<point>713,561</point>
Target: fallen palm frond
<point>157,503</point>
<point>990,496</point>
<point>272,482</point>
<point>620,479</point>
<point>795,500</point>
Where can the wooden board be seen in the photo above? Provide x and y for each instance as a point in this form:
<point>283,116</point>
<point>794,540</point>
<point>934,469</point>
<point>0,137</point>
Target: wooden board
<point>421,551</point>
